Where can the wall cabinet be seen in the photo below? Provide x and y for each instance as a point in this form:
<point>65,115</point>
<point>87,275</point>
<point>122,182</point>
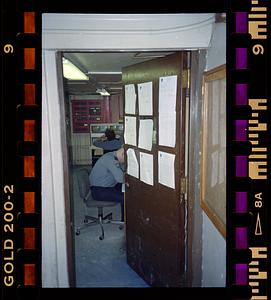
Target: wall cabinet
<point>86,112</point>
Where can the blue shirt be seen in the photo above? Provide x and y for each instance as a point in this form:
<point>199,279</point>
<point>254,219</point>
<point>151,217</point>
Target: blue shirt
<point>109,145</point>
<point>107,171</point>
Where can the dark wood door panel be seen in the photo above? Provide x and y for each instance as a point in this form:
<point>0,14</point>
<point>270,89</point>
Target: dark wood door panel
<point>155,214</point>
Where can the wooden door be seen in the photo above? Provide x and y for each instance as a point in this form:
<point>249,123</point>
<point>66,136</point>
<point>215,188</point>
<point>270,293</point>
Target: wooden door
<point>155,233</point>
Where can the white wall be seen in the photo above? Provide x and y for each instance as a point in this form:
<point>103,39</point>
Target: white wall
<point>54,243</point>
<point>213,243</point>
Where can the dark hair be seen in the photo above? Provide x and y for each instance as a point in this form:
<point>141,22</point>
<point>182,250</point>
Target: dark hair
<point>110,134</point>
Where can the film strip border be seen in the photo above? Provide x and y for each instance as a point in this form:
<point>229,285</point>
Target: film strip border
<point>22,243</point>
<point>29,138</point>
<point>250,181</point>
<point>247,166</point>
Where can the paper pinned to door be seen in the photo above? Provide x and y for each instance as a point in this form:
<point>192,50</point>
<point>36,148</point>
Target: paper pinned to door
<point>167,94</point>
<point>130,131</point>
<point>130,99</point>
<point>145,99</point>
<point>145,134</point>
<point>166,169</point>
<point>146,168</point>
<point>167,129</point>
<point>167,110</point>
<point>132,163</point>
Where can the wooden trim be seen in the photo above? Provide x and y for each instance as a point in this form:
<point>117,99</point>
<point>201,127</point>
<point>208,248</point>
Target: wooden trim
<point>213,217</point>
<point>214,74</point>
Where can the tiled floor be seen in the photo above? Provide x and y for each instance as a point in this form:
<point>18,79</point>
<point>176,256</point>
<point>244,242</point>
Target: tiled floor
<point>101,263</point>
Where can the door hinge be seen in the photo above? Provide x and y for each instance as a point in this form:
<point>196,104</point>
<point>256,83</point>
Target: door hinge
<point>184,185</point>
<point>185,79</point>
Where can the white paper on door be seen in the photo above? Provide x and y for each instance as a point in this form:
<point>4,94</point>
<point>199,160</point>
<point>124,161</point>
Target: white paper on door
<point>167,129</point>
<point>130,131</point>
<point>145,134</point>
<point>145,99</point>
<point>167,94</point>
<point>132,163</point>
<point>146,168</point>
<point>130,99</point>
<point>167,110</point>
<point>166,169</point>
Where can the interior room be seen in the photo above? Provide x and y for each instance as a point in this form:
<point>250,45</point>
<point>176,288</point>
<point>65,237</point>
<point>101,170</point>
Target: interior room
<point>159,82</point>
<point>95,103</point>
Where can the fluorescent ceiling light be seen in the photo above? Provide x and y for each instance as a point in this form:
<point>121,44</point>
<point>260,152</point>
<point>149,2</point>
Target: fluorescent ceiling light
<point>102,92</point>
<point>98,73</point>
<point>71,72</point>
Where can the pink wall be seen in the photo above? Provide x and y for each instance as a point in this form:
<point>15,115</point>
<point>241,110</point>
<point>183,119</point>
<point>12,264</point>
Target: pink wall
<point>116,107</point>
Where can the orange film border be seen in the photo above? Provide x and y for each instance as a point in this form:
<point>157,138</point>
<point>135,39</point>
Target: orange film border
<point>30,234</point>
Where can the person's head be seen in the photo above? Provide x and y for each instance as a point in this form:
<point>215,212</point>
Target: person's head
<point>110,134</point>
<point>120,155</point>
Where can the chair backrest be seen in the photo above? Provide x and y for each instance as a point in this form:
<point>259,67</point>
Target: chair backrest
<point>83,183</point>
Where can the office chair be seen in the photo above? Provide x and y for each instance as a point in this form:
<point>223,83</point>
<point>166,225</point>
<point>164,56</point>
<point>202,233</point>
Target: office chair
<point>85,194</point>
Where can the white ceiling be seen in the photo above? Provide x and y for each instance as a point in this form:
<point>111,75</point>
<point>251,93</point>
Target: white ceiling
<point>104,69</point>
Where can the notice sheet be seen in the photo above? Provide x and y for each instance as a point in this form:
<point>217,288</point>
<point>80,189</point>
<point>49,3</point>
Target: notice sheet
<point>130,131</point>
<point>146,168</point>
<point>145,99</point>
<point>167,94</point>
<point>145,134</point>
<point>166,170</point>
<point>130,99</point>
<point>167,110</point>
<point>167,129</point>
<point>132,163</point>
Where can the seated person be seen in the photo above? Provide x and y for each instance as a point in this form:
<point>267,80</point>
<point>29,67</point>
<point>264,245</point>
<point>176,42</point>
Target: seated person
<point>106,178</point>
<point>109,142</point>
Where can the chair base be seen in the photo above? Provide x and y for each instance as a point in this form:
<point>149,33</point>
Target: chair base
<point>99,221</point>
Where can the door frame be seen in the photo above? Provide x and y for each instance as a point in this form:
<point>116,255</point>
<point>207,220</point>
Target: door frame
<point>92,33</point>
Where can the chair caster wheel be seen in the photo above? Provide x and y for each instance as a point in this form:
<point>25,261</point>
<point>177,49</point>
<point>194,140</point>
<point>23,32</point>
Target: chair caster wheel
<point>101,238</point>
<point>85,221</point>
<point>77,232</point>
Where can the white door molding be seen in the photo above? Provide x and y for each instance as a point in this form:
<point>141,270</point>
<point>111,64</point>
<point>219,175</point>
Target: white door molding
<point>119,32</point>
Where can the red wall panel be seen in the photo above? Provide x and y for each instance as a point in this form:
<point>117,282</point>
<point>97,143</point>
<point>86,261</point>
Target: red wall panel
<point>86,112</point>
